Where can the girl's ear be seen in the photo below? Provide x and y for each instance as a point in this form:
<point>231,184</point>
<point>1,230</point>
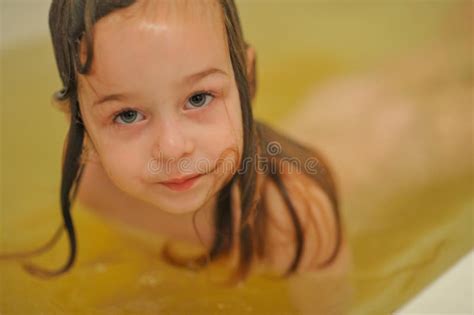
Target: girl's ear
<point>251,70</point>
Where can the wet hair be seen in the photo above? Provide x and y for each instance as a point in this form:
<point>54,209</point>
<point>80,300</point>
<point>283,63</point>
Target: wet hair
<point>71,22</point>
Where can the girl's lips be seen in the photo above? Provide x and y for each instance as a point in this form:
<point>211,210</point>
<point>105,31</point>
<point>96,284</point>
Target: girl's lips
<point>182,184</point>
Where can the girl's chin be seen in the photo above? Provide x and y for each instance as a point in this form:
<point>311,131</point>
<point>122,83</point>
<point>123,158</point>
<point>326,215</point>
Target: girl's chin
<point>181,208</point>
<point>181,204</point>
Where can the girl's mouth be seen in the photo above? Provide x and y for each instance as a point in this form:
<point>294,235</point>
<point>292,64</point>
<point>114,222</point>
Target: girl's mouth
<point>183,183</point>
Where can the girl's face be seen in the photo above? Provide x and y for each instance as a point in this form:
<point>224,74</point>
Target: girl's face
<point>161,102</point>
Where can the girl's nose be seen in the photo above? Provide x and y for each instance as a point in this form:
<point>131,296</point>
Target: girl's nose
<point>172,142</point>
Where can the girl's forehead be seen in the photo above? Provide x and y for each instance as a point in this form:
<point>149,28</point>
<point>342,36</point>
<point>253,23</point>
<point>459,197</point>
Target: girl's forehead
<point>173,9</point>
<point>158,40</point>
<point>182,17</point>
<point>155,14</point>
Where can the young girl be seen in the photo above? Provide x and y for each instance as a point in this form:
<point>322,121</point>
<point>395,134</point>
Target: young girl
<point>162,138</point>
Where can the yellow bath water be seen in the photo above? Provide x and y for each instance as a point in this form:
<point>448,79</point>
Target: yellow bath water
<point>384,97</point>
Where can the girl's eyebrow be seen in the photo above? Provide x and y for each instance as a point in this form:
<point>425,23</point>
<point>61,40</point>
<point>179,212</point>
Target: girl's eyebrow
<point>187,80</point>
<point>108,98</point>
<point>202,74</point>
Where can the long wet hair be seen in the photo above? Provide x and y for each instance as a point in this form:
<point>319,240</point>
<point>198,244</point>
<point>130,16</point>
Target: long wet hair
<point>72,21</point>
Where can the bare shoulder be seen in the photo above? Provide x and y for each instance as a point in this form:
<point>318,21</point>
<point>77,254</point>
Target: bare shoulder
<point>325,245</point>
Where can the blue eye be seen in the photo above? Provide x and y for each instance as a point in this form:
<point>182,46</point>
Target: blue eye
<point>127,117</point>
<point>200,99</point>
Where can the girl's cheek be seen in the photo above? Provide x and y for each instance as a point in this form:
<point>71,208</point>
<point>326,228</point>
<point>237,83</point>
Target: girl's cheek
<point>119,157</point>
<point>227,137</point>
